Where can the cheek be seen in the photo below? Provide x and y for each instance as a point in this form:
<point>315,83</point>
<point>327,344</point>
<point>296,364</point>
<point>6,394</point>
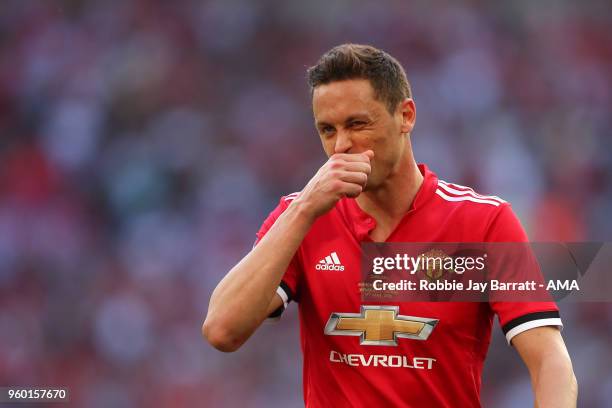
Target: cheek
<point>328,146</point>
<point>386,149</point>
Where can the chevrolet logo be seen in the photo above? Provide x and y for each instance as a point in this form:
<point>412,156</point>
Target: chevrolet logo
<point>379,325</point>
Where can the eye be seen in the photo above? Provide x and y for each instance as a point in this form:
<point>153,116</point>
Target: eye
<point>358,123</point>
<point>326,130</point>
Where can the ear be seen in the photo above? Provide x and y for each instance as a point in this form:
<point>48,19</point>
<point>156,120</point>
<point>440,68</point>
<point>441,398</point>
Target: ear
<point>407,109</point>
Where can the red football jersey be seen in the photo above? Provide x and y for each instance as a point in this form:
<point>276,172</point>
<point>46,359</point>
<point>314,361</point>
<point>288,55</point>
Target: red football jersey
<point>442,370</point>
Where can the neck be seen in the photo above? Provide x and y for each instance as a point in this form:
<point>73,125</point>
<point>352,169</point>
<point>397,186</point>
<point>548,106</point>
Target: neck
<point>395,196</point>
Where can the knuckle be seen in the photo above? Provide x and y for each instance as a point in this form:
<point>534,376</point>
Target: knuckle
<point>336,164</point>
<point>334,174</point>
<point>336,185</point>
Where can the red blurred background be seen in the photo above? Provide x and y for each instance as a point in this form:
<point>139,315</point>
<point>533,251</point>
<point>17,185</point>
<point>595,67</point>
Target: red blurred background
<point>142,143</point>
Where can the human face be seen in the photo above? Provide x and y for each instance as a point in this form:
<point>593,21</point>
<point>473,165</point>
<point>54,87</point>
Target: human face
<point>350,119</point>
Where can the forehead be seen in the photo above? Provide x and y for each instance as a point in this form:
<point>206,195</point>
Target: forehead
<point>337,100</point>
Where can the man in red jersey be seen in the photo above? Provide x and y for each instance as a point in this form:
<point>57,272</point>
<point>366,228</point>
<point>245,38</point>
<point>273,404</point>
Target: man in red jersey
<point>371,190</point>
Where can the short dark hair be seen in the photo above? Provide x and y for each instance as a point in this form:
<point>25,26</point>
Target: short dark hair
<point>353,61</point>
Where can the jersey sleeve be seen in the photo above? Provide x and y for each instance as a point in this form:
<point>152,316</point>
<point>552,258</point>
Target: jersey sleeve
<point>288,287</point>
<point>517,317</point>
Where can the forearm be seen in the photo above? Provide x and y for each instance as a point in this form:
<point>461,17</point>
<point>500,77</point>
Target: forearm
<point>241,300</point>
<point>554,383</point>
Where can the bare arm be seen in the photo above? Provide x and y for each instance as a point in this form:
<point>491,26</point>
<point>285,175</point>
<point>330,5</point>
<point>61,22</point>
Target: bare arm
<point>550,367</point>
<point>247,294</point>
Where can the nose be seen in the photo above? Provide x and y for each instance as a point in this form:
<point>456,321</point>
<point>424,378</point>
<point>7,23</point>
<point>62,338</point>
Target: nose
<point>343,142</point>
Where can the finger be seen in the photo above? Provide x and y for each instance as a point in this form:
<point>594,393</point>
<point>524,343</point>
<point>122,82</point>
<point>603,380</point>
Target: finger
<point>369,153</point>
<point>351,190</point>
<point>358,166</point>
<point>351,157</point>
<point>355,177</point>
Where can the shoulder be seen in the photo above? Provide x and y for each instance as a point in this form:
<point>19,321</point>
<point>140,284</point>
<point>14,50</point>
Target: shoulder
<point>285,201</point>
<point>282,205</point>
<point>487,216</point>
<point>466,196</point>
<point>289,197</point>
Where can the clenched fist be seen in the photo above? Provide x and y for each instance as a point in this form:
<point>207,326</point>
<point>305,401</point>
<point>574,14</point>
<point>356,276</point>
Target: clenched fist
<point>343,175</point>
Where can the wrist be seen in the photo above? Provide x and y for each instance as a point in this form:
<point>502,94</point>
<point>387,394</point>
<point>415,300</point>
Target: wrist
<point>303,210</point>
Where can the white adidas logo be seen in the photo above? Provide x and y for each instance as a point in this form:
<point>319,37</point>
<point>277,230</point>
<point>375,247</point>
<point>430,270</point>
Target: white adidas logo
<point>330,263</point>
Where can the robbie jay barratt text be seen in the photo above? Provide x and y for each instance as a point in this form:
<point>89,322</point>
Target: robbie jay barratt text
<point>406,285</point>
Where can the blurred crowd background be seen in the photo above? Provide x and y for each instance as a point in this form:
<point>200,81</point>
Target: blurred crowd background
<point>143,142</point>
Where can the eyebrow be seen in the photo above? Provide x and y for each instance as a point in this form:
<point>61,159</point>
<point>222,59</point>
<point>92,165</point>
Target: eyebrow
<point>348,120</point>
